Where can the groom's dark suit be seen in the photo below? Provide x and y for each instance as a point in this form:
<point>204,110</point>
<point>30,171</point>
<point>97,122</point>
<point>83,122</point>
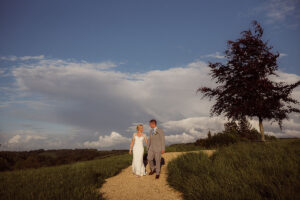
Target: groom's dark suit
<point>156,143</point>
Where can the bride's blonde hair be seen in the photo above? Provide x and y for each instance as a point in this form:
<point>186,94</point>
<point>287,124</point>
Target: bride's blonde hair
<point>139,125</point>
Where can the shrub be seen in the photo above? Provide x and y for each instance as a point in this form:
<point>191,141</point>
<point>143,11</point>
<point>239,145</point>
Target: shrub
<point>217,140</point>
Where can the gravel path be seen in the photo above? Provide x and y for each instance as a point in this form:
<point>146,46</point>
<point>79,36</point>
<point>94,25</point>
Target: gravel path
<point>126,186</point>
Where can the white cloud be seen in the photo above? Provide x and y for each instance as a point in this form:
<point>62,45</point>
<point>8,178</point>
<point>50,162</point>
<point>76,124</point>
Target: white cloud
<point>217,55</point>
<point>278,11</point>
<point>282,55</point>
<point>37,138</point>
<point>25,136</point>
<point>107,141</point>
<point>32,57</point>
<point>198,127</point>
<point>22,58</point>
<point>15,139</point>
<point>98,98</point>
<point>34,137</point>
<point>179,138</point>
<point>112,95</point>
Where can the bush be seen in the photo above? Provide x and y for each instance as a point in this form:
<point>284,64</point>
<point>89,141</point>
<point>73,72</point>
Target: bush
<point>240,171</point>
<point>217,140</point>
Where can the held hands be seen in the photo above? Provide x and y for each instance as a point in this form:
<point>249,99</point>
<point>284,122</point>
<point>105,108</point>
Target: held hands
<point>162,151</point>
<point>130,151</point>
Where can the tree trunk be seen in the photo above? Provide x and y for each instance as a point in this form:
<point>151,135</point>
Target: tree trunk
<point>261,129</point>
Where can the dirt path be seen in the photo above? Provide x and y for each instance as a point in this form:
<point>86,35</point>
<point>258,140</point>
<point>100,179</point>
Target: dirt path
<point>126,186</point>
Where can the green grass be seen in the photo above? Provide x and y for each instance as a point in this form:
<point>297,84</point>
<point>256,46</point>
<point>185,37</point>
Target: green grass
<point>183,147</point>
<point>73,181</point>
<point>240,171</point>
<point>16,160</point>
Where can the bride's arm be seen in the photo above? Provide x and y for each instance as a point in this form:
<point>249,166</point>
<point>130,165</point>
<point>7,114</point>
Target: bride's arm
<point>145,139</point>
<point>131,144</point>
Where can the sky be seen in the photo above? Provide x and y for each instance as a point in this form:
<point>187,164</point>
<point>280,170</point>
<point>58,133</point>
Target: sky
<point>83,74</point>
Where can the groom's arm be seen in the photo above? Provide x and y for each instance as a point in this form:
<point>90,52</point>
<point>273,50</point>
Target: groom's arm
<point>162,135</point>
<point>149,140</point>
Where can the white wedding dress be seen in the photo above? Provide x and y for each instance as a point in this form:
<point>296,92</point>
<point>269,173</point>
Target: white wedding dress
<point>138,166</point>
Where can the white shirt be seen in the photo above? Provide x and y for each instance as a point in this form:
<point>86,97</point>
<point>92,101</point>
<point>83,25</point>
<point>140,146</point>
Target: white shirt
<point>154,129</point>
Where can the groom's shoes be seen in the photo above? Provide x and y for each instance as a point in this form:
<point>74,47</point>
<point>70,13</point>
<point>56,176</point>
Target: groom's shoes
<point>152,172</point>
<point>157,176</point>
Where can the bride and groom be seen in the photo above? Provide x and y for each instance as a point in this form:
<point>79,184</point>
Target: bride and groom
<point>155,147</point>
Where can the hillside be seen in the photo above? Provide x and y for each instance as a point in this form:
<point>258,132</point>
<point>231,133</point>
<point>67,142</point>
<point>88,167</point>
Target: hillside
<point>13,160</point>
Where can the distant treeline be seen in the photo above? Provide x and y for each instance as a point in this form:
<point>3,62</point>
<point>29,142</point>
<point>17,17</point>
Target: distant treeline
<point>233,133</point>
<point>12,160</point>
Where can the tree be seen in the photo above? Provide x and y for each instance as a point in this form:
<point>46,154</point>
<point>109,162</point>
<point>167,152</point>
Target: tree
<point>209,134</point>
<point>245,87</point>
<point>231,127</point>
<point>244,127</point>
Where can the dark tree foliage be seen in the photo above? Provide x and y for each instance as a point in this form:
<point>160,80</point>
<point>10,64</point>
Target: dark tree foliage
<point>209,134</point>
<point>244,82</point>
<point>230,127</point>
<point>244,127</point>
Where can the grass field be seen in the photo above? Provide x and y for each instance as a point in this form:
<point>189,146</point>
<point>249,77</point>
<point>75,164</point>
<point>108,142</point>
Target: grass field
<point>240,171</point>
<point>183,147</point>
<point>268,170</point>
<point>72,181</point>
<point>16,160</point>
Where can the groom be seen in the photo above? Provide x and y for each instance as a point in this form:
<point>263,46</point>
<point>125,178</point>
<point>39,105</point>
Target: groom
<point>155,147</point>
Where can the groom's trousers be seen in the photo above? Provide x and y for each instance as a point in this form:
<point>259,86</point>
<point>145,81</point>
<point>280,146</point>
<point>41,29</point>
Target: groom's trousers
<point>157,156</point>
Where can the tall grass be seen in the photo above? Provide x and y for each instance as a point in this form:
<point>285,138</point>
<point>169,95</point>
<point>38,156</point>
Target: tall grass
<point>73,181</point>
<point>240,171</point>
<point>183,147</point>
<point>14,160</point>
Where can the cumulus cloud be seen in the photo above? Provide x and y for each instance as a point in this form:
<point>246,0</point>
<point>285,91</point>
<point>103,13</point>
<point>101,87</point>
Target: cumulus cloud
<point>19,138</point>
<point>38,138</point>
<point>217,55</point>
<point>278,11</point>
<point>24,136</point>
<point>282,55</point>
<point>179,138</point>
<point>96,97</point>
<point>113,139</point>
<point>24,139</point>
<point>21,58</point>
<point>106,97</point>
<point>14,140</point>
<point>195,126</point>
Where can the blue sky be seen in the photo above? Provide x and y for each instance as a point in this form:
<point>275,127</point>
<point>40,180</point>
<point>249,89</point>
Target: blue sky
<point>143,34</point>
<point>122,40</point>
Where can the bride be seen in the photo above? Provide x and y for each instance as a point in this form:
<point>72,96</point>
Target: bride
<point>137,146</point>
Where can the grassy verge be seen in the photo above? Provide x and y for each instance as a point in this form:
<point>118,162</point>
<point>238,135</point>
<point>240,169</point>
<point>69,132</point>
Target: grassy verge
<point>183,147</point>
<point>240,171</point>
<point>15,160</point>
<point>73,181</point>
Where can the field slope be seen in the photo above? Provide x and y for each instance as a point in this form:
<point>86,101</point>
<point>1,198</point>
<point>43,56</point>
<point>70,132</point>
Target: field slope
<point>240,171</point>
<point>73,181</point>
